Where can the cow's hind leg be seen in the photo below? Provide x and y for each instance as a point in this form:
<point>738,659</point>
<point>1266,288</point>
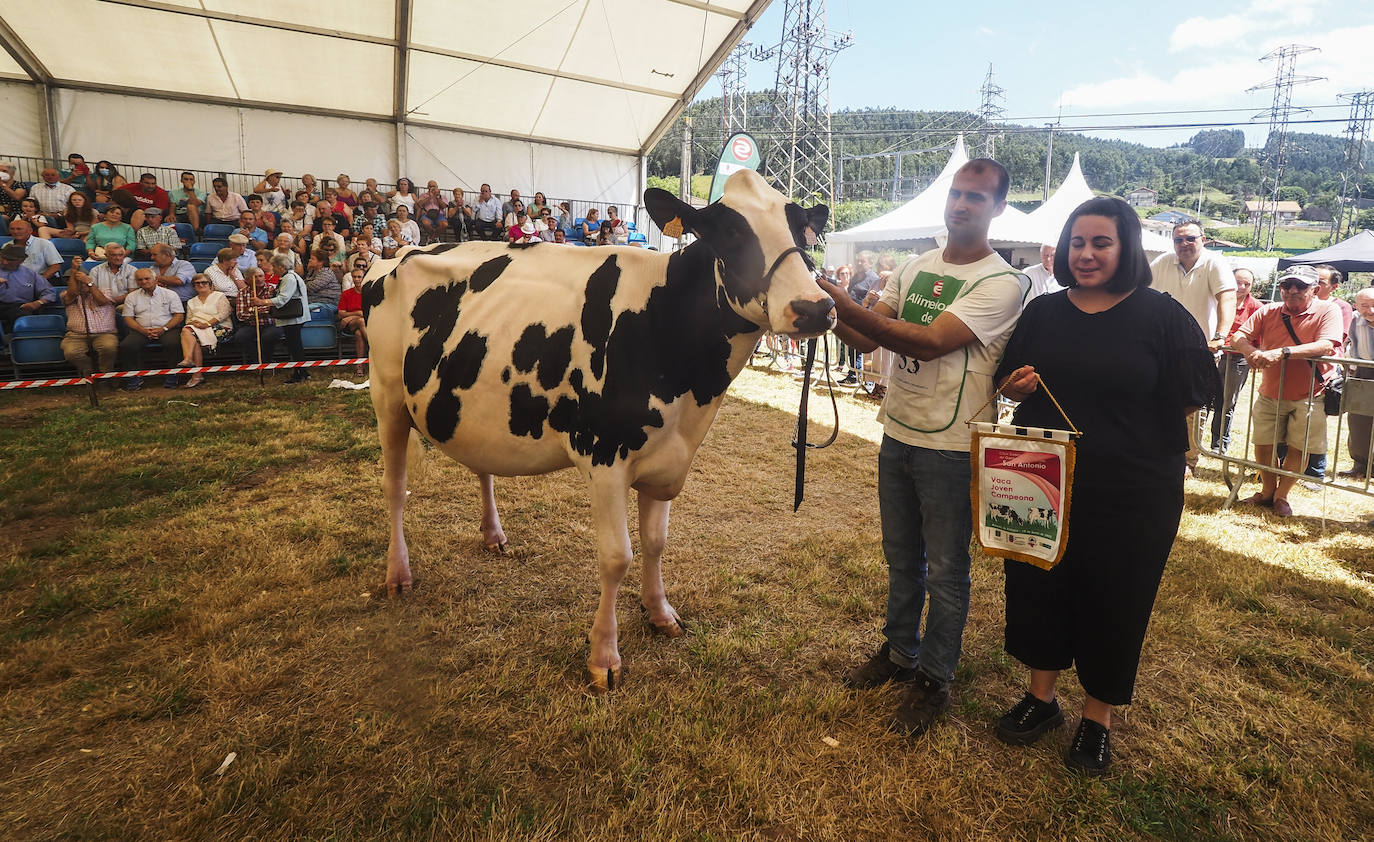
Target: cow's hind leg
<point>613,559</point>
<point>653,536</point>
<point>394,430</point>
<point>492,536</point>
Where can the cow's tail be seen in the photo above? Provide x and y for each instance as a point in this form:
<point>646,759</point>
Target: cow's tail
<point>415,457</point>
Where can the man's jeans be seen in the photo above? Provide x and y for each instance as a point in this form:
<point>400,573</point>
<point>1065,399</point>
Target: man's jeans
<point>927,522</point>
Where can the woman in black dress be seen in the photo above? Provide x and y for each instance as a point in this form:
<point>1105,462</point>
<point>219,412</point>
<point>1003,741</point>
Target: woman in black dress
<point>1127,363</point>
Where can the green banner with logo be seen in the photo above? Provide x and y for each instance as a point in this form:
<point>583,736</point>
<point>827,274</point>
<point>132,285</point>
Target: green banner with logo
<point>741,152</point>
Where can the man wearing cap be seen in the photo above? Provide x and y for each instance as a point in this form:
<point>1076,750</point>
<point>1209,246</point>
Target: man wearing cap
<point>171,272</point>
<point>41,255</point>
<point>487,215</point>
<point>243,257</point>
<point>1277,341</point>
<point>152,314</point>
<point>51,193</point>
<point>1201,281</point>
<point>248,227</point>
<point>154,233</point>
<point>22,290</point>
<point>90,322</point>
<point>115,276</point>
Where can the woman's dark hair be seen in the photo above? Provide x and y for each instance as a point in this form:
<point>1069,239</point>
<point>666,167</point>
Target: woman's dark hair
<point>1133,271</point>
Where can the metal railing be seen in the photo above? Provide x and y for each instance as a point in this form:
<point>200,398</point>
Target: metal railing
<point>1357,399</point>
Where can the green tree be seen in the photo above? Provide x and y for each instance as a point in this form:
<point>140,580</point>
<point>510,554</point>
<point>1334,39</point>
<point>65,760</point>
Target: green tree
<point>1293,193</point>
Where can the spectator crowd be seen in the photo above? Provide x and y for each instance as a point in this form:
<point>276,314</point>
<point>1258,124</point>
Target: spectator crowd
<point>311,245</point>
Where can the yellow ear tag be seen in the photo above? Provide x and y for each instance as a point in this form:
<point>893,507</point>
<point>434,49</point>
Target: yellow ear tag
<point>673,228</point>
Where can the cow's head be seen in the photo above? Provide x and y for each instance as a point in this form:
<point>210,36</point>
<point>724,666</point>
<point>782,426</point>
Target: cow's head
<point>757,237</point>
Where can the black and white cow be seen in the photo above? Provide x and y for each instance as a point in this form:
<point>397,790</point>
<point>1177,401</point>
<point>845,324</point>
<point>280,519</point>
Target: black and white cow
<point>523,360</point>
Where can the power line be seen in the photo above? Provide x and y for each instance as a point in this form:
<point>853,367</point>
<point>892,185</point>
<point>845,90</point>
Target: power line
<point>1120,127</point>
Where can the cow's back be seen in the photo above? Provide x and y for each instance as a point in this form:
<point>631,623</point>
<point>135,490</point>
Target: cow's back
<point>525,360</point>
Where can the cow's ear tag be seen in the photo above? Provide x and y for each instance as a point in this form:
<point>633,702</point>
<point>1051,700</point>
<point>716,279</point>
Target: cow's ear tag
<point>673,228</point>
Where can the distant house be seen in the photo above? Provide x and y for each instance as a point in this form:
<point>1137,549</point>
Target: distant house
<point>1283,211</point>
<point>1170,218</point>
<point>1142,197</point>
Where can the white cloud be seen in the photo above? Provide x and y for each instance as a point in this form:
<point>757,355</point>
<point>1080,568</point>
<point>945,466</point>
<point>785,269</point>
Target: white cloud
<point>1231,31</point>
<point>983,30</point>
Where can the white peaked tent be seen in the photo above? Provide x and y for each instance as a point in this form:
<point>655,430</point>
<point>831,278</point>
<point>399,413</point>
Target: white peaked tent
<point>920,223</point>
<point>1047,221</point>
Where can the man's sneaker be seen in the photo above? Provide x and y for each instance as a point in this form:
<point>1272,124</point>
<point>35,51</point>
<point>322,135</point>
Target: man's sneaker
<point>1091,749</point>
<point>924,702</point>
<point>171,381</point>
<point>1028,720</point>
<point>877,671</point>
<point>133,384</point>
<point>850,380</point>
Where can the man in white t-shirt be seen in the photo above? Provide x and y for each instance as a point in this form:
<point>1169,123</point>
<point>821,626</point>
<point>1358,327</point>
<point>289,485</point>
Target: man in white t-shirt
<point>1042,275</point>
<point>947,315</point>
<point>1201,281</point>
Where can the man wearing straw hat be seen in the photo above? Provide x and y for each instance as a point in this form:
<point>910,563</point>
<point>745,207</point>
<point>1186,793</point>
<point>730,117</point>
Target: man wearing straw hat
<point>947,314</point>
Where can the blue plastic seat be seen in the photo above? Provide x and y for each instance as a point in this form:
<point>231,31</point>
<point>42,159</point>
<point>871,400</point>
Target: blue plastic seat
<point>185,232</point>
<point>320,334</point>
<point>637,237</point>
<point>575,235</point>
<point>69,247</point>
<point>204,249</point>
<point>37,340</point>
<point>100,206</point>
<point>200,264</point>
<point>217,231</point>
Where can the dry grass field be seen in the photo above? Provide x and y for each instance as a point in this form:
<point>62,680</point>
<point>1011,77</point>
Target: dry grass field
<point>186,577</point>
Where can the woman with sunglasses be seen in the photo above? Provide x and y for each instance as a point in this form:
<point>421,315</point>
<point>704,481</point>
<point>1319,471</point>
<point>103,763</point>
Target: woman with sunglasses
<point>1127,364</point>
<point>207,322</point>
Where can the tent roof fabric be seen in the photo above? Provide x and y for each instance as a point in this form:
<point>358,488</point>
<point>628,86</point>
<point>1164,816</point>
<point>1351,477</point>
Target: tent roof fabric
<point>1353,255</point>
<point>923,217</point>
<point>573,72</point>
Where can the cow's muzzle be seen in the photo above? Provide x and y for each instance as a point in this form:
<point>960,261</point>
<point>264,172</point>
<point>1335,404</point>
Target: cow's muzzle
<point>812,317</point>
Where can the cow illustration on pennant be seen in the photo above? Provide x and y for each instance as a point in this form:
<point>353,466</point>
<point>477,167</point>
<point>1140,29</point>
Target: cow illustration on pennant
<point>519,360</point>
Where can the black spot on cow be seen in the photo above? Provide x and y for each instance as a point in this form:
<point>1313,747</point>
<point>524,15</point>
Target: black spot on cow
<point>732,240</point>
<point>437,248</point>
<point>435,316</point>
<point>525,245</point>
<point>552,353</point>
<point>455,372</point>
<point>678,344</point>
<point>564,413</point>
<point>527,412</point>
<point>596,312</point>
<point>373,292</point>
<point>505,374</point>
<point>483,276</point>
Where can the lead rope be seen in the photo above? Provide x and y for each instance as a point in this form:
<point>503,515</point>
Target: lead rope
<point>799,440</point>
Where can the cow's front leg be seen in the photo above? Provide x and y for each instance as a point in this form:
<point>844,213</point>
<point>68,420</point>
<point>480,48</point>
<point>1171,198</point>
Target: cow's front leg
<point>653,536</point>
<point>492,536</point>
<point>613,559</point>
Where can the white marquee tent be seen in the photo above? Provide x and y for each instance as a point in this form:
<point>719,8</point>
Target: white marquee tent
<point>919,224</point>
<point>1048,219</point>
<point>565,97</point>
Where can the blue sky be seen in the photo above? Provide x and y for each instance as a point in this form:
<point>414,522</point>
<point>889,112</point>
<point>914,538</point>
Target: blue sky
<point>1092,58</point>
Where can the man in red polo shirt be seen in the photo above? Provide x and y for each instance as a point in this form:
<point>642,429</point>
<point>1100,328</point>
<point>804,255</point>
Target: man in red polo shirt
<point>1278,340</point>
<point>134,198</point>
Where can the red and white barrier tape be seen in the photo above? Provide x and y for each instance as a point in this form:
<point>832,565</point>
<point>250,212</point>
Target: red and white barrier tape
<point>153,372</point>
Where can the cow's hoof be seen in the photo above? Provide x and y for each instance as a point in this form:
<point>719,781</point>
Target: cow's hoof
<point>605,680</point>
<point>674,627</point>
<point>499,547</point>
<point>396,590</point>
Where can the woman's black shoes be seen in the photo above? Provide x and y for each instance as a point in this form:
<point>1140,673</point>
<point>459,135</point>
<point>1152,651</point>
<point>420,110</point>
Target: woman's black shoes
<point>1091,749</point>
<point>1029,720</point>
